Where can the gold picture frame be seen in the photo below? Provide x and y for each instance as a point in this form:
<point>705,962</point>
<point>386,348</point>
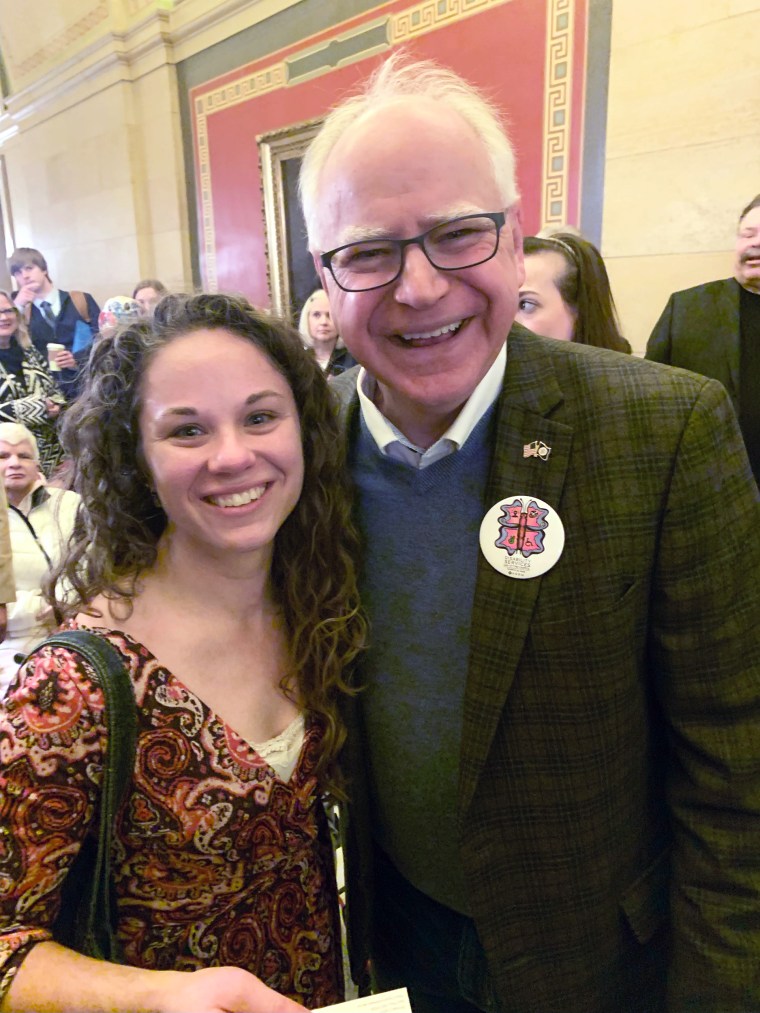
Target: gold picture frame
<point>278,149</point>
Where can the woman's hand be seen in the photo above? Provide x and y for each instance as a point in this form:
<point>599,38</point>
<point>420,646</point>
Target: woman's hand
<point>52,408</point>
<point>64,359</point>
<point>59,980</point>
<point>222,990</point>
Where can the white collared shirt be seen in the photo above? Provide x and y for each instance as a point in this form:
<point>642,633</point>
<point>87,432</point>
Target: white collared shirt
<point>391,441</point>
<point>53,297</point>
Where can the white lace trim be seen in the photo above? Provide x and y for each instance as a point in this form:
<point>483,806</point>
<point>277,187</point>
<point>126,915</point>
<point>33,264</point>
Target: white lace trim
<point>282,751</point>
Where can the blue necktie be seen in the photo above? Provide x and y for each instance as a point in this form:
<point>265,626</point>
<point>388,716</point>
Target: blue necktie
<point>47,312</point>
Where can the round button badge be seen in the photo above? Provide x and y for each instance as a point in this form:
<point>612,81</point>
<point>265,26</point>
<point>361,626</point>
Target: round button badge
<point>521,536</point>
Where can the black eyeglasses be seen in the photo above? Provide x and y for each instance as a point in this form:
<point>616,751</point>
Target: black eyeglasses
<point>460,242</point>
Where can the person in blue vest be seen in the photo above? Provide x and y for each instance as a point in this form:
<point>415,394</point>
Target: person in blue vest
<point>52,315</point>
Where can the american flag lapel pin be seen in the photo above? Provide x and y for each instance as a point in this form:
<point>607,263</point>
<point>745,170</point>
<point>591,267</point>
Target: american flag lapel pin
<point>537,449</point>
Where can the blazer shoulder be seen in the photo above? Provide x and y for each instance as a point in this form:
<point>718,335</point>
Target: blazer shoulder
<point>598,380</point>
<point>710,290</point>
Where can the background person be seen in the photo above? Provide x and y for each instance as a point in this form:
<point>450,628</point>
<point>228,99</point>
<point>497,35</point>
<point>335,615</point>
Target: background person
<point>117,311</point>
<point>566,293</point>
<point>214,550</point>
<point>320,335</point>
<point>52,315</point>
<point>28,393</point>
<point>41,519</point>
<point>555,764</point>
<point>147,294</point>
<point>714,329</point>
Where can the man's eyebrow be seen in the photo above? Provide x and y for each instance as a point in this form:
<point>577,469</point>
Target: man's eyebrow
<point>358,233</point>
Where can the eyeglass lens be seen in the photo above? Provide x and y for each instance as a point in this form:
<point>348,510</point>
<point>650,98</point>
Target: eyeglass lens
<point>463,242</point>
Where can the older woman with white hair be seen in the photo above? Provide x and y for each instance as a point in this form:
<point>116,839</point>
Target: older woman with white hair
<point>40,520</point>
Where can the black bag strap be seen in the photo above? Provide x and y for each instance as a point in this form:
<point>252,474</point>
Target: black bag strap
<point>92,928</point>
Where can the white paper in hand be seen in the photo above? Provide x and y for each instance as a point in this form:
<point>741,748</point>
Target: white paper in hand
<point>396,1001</point>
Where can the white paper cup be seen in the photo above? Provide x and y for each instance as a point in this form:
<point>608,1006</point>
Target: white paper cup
<point>53,349</point>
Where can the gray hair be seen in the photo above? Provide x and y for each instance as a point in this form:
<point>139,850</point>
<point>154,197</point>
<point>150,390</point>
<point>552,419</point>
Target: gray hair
<point>420,80</point>
<point>14,432</point>
<point>754,203</point>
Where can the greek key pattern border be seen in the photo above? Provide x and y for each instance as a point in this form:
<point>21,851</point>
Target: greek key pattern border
<point>403,25</point>
<point>558,91</point>
<point>433,14</point>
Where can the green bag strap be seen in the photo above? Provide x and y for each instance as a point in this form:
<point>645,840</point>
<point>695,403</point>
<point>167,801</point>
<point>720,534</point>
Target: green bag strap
<point>95,928</point>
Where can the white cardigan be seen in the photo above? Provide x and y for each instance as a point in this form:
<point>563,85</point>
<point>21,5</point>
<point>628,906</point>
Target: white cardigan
<point>49,514</point>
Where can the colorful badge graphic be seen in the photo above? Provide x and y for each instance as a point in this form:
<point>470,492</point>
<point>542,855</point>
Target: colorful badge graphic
<point>522,536</point>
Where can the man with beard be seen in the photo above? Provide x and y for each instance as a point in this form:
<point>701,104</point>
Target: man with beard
<point>714,329</point>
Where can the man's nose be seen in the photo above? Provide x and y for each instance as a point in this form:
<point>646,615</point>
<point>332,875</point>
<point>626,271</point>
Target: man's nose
<point>420,283</point>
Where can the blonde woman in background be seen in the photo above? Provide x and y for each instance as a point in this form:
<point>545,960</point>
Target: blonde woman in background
<point>40,521</point>
<point>28,393</point>
<point>321,336</point>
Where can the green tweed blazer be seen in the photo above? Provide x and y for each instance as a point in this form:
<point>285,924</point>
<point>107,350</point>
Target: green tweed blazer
<point>609,794</point>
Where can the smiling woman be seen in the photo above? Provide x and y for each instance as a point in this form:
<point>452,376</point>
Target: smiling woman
<point>28,394</point>
<point>213,548</point>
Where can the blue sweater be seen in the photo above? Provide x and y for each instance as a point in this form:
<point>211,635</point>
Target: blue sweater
<point>421,552</point>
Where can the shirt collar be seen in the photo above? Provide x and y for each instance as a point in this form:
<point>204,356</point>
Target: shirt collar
<point>53,297</point>
<point>392,442</point>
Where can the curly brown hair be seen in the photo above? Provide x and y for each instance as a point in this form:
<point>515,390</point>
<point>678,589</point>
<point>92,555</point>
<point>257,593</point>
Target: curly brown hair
<point>119,524</point>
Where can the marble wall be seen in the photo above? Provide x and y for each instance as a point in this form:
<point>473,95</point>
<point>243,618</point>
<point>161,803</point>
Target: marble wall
<point>91,136</point>
<point>683,147</point>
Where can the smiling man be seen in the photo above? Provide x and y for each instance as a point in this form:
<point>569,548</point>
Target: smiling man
<point>714,329</point>
<point>554,765</point>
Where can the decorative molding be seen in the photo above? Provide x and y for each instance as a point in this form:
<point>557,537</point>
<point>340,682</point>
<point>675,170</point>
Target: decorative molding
<point>6,213</point>
<point>253,86</point>
<point>306,63</point>
<point>433,14</point>
<point>558,91</point>
<point>275,148</point>
<point>62,41</point>
<point>114,56</point>
<point>357,44</point>
<point>207,207</point>
<point>135,7</point>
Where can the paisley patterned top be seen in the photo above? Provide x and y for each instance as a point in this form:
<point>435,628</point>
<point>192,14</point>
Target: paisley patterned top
<point>216,861</point>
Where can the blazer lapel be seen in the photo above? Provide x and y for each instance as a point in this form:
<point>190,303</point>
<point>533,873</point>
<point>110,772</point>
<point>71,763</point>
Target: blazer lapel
<point>503,605</point>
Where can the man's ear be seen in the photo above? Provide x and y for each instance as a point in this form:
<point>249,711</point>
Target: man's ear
<point>514,224</point>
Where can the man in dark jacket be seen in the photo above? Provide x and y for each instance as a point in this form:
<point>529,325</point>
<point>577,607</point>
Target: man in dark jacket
<point>714,329</point>
<point>53,316</point>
